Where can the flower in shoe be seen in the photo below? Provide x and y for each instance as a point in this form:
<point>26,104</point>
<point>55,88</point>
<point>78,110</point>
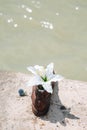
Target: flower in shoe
<point>44,76</point>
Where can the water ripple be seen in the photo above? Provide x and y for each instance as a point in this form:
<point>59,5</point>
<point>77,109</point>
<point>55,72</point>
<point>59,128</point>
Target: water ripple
<point>36,3</point>
<point>57,14</point>
<point>26,17</point>
<point>1,13</point>
<point>77,8</point>
<point>15,25</point>
<point>30,18</point>
<point>46,24</point>
<point>29,10</point>
<point>22,6</point>
<point>10,20</point>
<point>33,1</point>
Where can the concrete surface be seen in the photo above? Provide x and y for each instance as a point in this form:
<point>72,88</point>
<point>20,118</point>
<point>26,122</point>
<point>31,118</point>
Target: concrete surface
<point>16,112</point>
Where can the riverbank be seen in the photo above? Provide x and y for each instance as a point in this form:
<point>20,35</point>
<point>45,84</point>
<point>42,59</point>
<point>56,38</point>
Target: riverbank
<point>16,113</point>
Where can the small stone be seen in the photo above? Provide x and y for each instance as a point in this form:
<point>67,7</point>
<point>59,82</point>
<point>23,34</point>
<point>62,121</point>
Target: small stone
<point>21,92</point>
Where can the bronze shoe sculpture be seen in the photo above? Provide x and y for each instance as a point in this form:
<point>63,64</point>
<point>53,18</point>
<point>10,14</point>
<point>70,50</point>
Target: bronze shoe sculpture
<point>40,101</point>
<point>43,83</point>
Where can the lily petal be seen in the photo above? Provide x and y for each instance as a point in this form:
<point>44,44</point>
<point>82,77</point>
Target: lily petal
<point>36,80</point>
<point>40,70</point>
<point>32,70</point>
<point>41,73</point>
<point>56,78</point>
<point>49,71</point>
<point>48,87</point>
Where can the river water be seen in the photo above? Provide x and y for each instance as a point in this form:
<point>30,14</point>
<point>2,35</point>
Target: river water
<point>43,31</point>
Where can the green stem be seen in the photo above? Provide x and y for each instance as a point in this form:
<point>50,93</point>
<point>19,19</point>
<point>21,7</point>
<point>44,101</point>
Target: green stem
<point>44,78</point>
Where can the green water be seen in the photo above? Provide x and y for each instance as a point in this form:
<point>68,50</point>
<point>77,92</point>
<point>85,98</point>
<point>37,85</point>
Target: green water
<point>43,31</point>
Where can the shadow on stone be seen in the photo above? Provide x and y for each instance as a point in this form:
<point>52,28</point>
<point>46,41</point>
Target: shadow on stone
<point>58,112</point>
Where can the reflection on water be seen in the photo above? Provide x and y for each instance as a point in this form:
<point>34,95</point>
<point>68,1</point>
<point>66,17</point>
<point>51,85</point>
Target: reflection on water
<point>40,32</point>
<point>46,24</point>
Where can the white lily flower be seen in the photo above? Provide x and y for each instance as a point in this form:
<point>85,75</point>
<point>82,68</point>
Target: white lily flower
<point>44,76</point>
